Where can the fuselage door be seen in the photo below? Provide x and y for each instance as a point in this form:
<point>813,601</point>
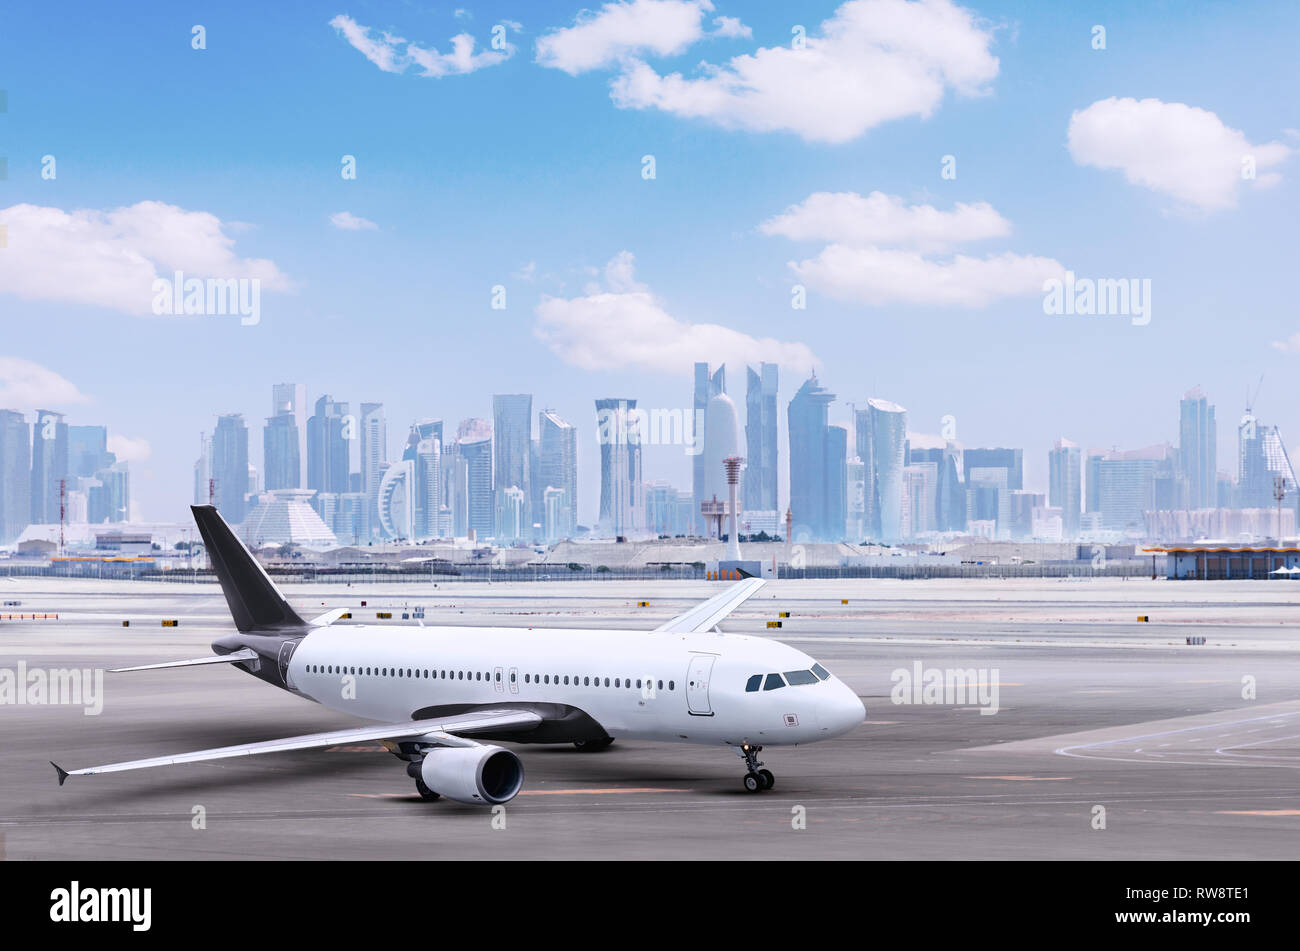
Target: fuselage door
<point>514,679</point>
<point>697,684</point>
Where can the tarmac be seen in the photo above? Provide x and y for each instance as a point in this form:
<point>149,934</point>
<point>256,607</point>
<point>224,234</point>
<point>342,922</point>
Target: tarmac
<point>1112,738</point>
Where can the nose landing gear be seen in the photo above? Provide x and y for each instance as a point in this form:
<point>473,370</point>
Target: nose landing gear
<point>756,779</point>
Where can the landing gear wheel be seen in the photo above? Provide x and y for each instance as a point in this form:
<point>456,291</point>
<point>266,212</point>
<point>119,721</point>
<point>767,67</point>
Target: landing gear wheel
<point>593,746</point>
<point>427,794</point>
<point>756,780</point>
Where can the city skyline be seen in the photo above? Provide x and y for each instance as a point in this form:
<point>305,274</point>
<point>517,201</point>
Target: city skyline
<point>395,270</point>
<point>875,481</point>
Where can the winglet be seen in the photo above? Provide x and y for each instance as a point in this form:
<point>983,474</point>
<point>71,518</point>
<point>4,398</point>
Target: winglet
<point>63,773</point>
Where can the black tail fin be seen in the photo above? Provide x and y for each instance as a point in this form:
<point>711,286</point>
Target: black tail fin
<point>255,603</point>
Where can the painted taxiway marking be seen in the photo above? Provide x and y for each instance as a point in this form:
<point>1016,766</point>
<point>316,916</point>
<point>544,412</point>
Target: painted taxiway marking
<point>1259,812</point>
<point>541,792</point>
<point>1025,779</point>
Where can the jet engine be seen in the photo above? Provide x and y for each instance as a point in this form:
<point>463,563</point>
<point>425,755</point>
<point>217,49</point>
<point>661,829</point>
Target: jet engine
<point>478,775</point>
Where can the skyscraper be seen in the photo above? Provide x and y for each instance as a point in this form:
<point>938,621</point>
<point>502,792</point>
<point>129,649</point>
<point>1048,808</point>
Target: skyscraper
<point>1262,459</point>
<point>230,466</point>
<point>203,470</point>
<point>721,442</point>
<point>88,450</point>
<point>818,514</point>
<point>474,440</point>
<point>1011,460</point>
<point>110,499</point>
<point>1064,487</point>
<point>290,399</point>
<point>280,443</point>
<point>1197,449</point>
<point>707,386</point>
<point>512,434</point>
<point>328,432</point>
<point>374,453</point>
<point>49,465</point>
<point>887,431</point>
<point>15,474</point>
<point>557,456</point>
<point>622,505</point>
<point>424,452</point>
<point>760,438</point>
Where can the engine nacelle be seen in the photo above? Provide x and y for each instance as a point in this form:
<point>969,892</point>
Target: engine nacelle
<point>478,775</point>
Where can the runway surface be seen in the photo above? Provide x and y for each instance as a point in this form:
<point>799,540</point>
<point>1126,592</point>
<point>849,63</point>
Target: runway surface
<point>1192,752</point>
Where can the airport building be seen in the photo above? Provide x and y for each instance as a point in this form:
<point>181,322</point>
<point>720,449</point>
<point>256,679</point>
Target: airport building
<point>1211,562</point>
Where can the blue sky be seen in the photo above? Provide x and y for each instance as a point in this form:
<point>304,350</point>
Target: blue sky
<point>527,172</point>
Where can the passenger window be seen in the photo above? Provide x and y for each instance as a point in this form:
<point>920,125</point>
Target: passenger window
<point>751,685</point>
<point>773,682</point>
<point>606,681</point>
<point>661,685</point>
<point>586,681</point>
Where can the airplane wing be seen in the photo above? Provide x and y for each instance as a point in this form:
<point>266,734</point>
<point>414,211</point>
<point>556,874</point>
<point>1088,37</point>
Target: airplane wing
<point>442,731</point>
<point>704,616</point>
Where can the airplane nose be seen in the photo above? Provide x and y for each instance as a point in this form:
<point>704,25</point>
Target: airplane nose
<point>842,711</point>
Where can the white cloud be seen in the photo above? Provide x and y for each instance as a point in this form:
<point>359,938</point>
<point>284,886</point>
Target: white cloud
<point>346,221</point>
<point>111,258</point>
<point>871,62</point>
<point>731,27</point>
<point>622,29</point>
<point>849,218</point>
<point>27,385</point>
<point>1171,147</point>
<point>129,450</point>
<point>626,327</point>
<point>393,54</point>
<point>884,251</point>
<point>1290,345</point>
<point>880,276</point>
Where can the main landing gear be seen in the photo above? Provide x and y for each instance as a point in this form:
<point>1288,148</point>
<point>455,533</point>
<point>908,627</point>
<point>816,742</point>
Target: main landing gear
<point>756,780</point>
<point>593,746</point>
<point>427,794</point>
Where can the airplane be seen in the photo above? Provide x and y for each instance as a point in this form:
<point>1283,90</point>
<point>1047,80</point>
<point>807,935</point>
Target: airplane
<point>445,696</point>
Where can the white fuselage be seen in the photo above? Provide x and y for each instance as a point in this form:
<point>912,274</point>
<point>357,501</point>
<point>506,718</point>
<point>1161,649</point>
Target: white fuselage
<point>654,686</point>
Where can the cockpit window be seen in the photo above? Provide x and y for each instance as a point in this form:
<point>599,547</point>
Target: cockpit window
<point>821,672</point>
<point>797,677</point>
<point>753,683</point>
<point>773,682</point>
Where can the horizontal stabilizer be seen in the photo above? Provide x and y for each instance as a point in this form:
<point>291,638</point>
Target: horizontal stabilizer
<point>246,654</point>
<point>329,617</point>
